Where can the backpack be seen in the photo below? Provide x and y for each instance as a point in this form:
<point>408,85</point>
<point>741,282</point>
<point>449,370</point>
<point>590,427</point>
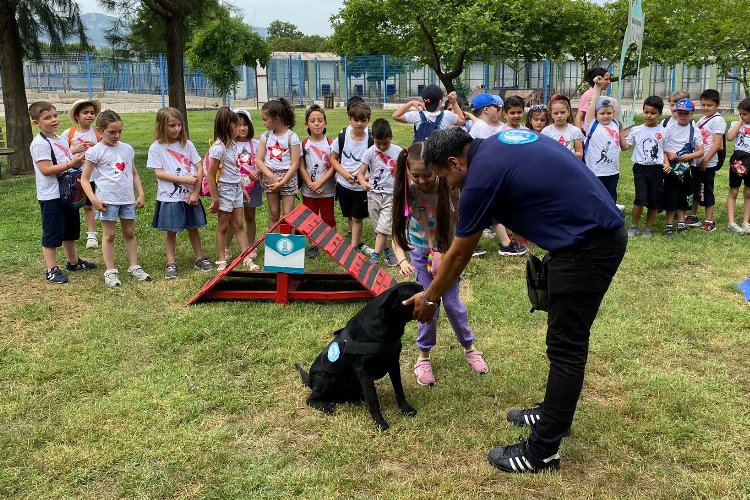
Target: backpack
<point>679,168</point>
<point>205,191</point>
<point>537,282</point>
<point>589,136</point>
<point>342,140</point>
<point>425,128</point>
<point>72,133</point>
<point>71,192</point>
<point>300,182</point>
<point>721,154</point>
<point>666,120</point>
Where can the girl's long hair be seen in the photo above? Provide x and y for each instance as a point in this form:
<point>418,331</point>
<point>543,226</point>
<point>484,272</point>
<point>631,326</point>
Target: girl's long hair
<point>281,109</point>
<point>225,117</point>
<point>162,125</point>
<point>445,213</point>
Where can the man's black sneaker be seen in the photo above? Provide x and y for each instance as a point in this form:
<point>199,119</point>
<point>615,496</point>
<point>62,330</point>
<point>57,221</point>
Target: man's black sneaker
<point>54,275</point>
<point>517,458</point>
<point>81,264</point>
<point>478,252</point>
<point>526,417</point>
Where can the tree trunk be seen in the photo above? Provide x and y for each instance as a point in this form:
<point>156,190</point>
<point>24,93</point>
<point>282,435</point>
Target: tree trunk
<point>175,65</point>
<point>445,79</point>
<point>14,92</point>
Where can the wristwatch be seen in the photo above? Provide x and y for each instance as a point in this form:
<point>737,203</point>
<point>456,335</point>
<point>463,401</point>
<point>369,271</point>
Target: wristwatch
<point>431,304</point>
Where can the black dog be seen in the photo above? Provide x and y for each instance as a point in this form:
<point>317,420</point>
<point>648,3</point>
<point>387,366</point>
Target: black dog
<point>363,351</point>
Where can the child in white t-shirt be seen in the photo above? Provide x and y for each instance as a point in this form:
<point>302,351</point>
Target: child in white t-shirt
<point>429,110</point>
<point>680,151</point>
<point>80,137</point>
<point>376,177</point>
<point>317,173</point>
<point>712,128</point>
<point>178,169</point>
<point>513,109</point>
<point>739,167</point>
<point>61,224</point>
<point>278,158</point>
<point>602,148</point>
<point>562,129</point>
<point>113,164</point>
<point>488,111</point>
<point>649,165</point>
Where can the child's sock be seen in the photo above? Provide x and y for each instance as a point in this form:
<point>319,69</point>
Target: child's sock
<point>91,234</point>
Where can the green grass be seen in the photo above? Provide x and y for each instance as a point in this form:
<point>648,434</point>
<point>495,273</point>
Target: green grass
<point>126,393</point>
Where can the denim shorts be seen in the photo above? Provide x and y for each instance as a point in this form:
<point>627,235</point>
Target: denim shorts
<point>175,216</point>
<point>114,213</point>
<point>230,196</point>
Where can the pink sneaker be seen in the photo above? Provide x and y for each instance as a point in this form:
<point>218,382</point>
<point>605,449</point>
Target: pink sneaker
<point>423,371</point>
<point>475,359</point>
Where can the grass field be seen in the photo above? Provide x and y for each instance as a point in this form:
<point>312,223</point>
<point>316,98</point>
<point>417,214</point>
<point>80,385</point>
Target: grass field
<point>110,393</point>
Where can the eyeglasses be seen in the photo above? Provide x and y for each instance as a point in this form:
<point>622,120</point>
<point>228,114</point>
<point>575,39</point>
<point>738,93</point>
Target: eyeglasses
<point>538,107</point>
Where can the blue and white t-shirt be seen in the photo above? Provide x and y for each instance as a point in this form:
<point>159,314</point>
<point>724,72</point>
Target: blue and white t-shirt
<point>603,153</point>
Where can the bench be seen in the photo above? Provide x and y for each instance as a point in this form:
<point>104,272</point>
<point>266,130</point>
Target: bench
<point>4,151</point>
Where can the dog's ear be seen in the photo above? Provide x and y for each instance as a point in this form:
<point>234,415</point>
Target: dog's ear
<point>393,303</point>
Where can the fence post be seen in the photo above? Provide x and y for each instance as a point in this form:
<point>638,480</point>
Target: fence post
<point>385,81</point>
<point>247,82</point>
<point>487,78</point>
<point>315,70</point>
<point>346,82</point>
<point>546,80</point>
<point>291,81</point>
<point>88,74</point>
<point>734,86</point>
<point>674,77</point>
<point>161,79</point>
<point>301,82</point>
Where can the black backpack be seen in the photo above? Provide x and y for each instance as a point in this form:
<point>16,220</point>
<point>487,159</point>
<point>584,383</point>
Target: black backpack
<point>342,140</point>
<point>425,127</point>
<point>721,155</point>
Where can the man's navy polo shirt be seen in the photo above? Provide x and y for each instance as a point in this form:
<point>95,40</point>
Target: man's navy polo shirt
<point>537,189</point>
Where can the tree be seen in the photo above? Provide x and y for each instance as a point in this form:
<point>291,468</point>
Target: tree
<point>174,14</point>
<point>283,29</point>
<point>442,34</point>
<point>286,37</point>
<point>223,45</point>
<point>22,23</point>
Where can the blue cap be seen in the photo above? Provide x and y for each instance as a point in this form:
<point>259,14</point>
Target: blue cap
<point>684,104</point>
<point>603,102</point>
<point>482,100</point>
<point>498,100</point>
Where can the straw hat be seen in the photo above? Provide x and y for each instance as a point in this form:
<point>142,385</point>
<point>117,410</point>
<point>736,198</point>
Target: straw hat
<point>80,102</point>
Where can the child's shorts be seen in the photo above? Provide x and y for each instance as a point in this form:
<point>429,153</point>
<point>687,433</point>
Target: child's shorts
<point>610,184</point>
<point>176,216</point>
<point>113,213</point>
<point>649,185</point>
<point>230,196</point>
<point>739,169</point>
<point>353,203</point>
<point>380,208</point>
<point>703,186</point>
<point>256,196</point>
<point>289,189</point>
<point>59,223</point>
<point>676,192</point>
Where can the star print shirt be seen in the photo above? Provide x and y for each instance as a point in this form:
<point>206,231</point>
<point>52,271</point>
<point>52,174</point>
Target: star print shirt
<point>317,161</point>
<point>47,187</point>
<point>603,153</point>
<point>174,159</point>
<point>381,167</point>
<point>648,144</point>
<point>114,172</point>
<point>279,149</point>
<point>227,156</point>
<point>742,141</point>
<point>350,158</point>
<point>567,137</point>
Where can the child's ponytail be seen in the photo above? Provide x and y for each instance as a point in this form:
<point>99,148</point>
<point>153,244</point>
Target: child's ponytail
<point>281,109</point>
<point>400,213</point>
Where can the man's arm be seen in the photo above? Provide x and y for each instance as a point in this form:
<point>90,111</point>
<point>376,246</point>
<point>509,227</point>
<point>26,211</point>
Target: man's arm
<point>453,264</point>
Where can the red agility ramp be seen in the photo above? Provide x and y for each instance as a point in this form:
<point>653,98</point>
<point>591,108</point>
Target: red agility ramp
<point>362,280</point>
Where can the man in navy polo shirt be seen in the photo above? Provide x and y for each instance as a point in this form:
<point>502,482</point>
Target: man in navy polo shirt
<point>537,188</point>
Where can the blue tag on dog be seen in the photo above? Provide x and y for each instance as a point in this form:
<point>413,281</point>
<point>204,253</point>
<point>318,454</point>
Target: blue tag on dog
<point>333,352</point>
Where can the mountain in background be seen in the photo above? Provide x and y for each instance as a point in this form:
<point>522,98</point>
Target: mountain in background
<point>97,24</point>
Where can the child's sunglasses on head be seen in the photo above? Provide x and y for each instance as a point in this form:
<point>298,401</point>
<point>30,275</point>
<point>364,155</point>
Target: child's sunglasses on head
<point>538,107</point>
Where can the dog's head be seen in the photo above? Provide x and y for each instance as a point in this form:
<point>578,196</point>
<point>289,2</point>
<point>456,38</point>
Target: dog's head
<point>385,315</point>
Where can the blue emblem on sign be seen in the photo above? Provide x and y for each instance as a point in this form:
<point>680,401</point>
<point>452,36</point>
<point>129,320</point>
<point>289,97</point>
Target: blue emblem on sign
<point>517,136</point>
<point>333,352</point>
<point>284,246</point>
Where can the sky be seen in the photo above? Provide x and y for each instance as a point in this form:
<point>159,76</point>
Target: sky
<point>311,16</point>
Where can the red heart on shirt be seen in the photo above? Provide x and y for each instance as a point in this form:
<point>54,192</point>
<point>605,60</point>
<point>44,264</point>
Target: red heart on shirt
<point>120,165</point>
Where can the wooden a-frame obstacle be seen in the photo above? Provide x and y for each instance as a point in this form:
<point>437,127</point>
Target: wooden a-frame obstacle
<point>362,280</point>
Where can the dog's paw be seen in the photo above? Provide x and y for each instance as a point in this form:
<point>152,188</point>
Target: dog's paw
<point>328,408</point>
<point>382,425</point>
<point>407,410</point>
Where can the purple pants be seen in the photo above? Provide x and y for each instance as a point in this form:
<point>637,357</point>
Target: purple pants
<point>454,308</point>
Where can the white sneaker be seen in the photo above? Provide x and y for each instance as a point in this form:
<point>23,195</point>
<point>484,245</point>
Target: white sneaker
<point>112,278</point>
<point>365,249</point>
<point>139,274</point>
<point>92,242</point>
<point>746,227</point>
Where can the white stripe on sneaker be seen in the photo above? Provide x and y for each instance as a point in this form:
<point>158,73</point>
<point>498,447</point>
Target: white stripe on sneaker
<point>547,460</point>
<point>531,467</point>
<point>513,465</point>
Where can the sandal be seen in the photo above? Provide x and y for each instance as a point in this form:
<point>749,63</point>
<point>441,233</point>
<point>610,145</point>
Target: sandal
<point>220,265</point>
<point>250,265</point>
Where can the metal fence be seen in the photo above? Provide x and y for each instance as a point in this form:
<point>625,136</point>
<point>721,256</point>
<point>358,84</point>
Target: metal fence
<point>141,82</point>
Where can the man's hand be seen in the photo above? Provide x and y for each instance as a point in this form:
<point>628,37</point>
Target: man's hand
<point>423,312</point>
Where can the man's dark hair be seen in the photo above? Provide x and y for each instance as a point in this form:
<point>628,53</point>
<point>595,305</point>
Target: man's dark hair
<point>443,144</point>
<point>711,95</point>
<point>655,102</point>
<point>381,129</point>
